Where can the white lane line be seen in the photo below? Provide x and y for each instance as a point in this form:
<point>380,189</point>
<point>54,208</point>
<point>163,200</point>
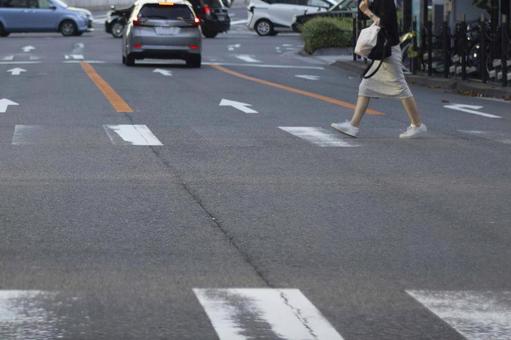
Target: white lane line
<point>243,107</point>
<point>243,314</point>
<point>239,22</point>
<point>29,314</point>
<point>475,315</point>
<point>131,135</point>
<point>87,61</point>
<point>5,103</point>
<point>318,136</point>
<point>470,109</point>
<point>19,62</point>
<point>247,58</point>
<point>494,136</point>
<point>28,48</point>
<point>16,71</point>
<point>74,57</point>
<point>307,76</point>
<point>163,72</point>
<point>298,67</point>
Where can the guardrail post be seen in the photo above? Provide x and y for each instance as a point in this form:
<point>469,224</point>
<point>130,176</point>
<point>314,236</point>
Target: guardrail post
<point>463,33</point>
<point>446,37</point>
<point>429,30</point>
<point>483,57</point>
<point>504,46</point>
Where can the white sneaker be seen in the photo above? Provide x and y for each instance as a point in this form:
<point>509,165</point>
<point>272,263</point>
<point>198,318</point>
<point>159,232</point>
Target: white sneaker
<point>414,131</point>
<point>346,128</point>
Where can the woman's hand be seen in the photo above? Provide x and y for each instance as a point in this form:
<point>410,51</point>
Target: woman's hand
<point>376,20</point>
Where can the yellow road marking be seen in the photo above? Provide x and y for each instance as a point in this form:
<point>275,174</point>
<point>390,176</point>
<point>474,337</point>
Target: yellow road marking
<point>113,97</point>
<point>317,96</point>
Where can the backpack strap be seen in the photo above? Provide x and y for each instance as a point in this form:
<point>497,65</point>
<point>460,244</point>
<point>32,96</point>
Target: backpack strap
<point>365,76</point>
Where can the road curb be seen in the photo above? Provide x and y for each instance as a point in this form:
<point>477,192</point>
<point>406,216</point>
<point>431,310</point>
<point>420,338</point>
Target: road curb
<point>467,88</point>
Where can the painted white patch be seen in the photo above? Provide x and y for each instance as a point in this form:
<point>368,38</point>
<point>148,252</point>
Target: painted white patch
<point>8,58</point>
<point>318,136</point>
<point>233,47</point>
<point>5,103</point>
<point>243,314</point>
<point>239,22</point>
<point>25,134</point>
<point>471,109</point>
<point>23,315</point>
<point>16,71</point>
<point>247,58</point>
<point>19,62</point>
<point>87,61</point>
<point>163,72</point>
<point>28,48</point>
<point>475,315</point>
<point>244,107</point>
<point>307,76</point>
<point>491,135</point>
<point>298,67</point>
<point>131,135</point>
<point>74,57</point>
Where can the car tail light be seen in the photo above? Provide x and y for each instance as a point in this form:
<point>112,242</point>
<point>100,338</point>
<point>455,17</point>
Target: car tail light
<point>137,45</point>
<point>194,47</point>
<point>196,22</point>
<point>137,22</point>
<point>207,10</point>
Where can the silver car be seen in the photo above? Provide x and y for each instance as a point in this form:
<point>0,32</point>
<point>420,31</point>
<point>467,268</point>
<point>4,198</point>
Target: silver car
<point>162,30</point>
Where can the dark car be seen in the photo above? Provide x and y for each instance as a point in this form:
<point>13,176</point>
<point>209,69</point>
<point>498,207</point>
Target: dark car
<point>116,20</point>
<point>343,9</point>
<point>213,15</point>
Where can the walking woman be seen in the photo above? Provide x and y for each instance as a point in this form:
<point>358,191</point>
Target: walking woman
<point>389,81</point>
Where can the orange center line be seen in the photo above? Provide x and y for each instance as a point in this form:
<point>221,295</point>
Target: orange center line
<point>113,97</point>
<point>317,96</point>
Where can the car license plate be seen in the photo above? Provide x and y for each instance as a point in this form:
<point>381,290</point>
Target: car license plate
<point>167,30</point>
<point>221,18</point>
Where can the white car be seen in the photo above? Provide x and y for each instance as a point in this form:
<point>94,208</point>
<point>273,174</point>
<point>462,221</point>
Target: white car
<point>267,17</point>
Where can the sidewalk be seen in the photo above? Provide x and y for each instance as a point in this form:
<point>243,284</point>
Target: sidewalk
<point>343,59</point>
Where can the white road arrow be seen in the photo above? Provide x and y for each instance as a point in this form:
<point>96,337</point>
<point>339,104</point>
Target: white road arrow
<point>163,72</point>
<point>28,48</point>
<point>4,103</point>
<point>470,109</point>
<point>244,107</point>
<point>247,58</point>
<point>307,76</point>
<point>16,71</point>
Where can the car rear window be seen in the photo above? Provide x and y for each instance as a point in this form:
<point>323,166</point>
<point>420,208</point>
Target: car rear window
<point>174,12</point>
<point>213,3</point>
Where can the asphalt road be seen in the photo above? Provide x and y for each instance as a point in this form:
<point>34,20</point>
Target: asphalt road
<point>368,238</point>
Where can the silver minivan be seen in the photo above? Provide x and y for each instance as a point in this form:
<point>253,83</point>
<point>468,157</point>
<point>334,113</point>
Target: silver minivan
<point>162,30</point>
<point>43,16</point>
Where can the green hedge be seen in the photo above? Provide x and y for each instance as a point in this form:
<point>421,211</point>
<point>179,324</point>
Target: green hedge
<point>326,33</point>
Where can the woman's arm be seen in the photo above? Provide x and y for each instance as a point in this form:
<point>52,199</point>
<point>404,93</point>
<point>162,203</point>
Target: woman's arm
<point>364,8</point>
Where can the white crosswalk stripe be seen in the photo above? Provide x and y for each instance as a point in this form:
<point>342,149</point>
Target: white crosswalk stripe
<point>318,136</point>
<point>131,135</point>
<point>475,315</point>
<point>242,314</point>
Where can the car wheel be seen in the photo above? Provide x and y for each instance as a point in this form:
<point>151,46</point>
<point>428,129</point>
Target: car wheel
<point>3,33</point>
<point>209,34</point>
<point>130,60</point>
<point>68,28</point>
<point>117,29</point>
<point>194,60</point>
<point>264,27</point>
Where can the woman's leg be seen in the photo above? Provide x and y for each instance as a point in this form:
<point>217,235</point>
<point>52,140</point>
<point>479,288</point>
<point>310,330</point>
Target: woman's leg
<point>410,106</point>
<point>360,110</point>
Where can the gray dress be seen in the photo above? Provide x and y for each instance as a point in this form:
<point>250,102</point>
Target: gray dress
<point>389,81</point>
